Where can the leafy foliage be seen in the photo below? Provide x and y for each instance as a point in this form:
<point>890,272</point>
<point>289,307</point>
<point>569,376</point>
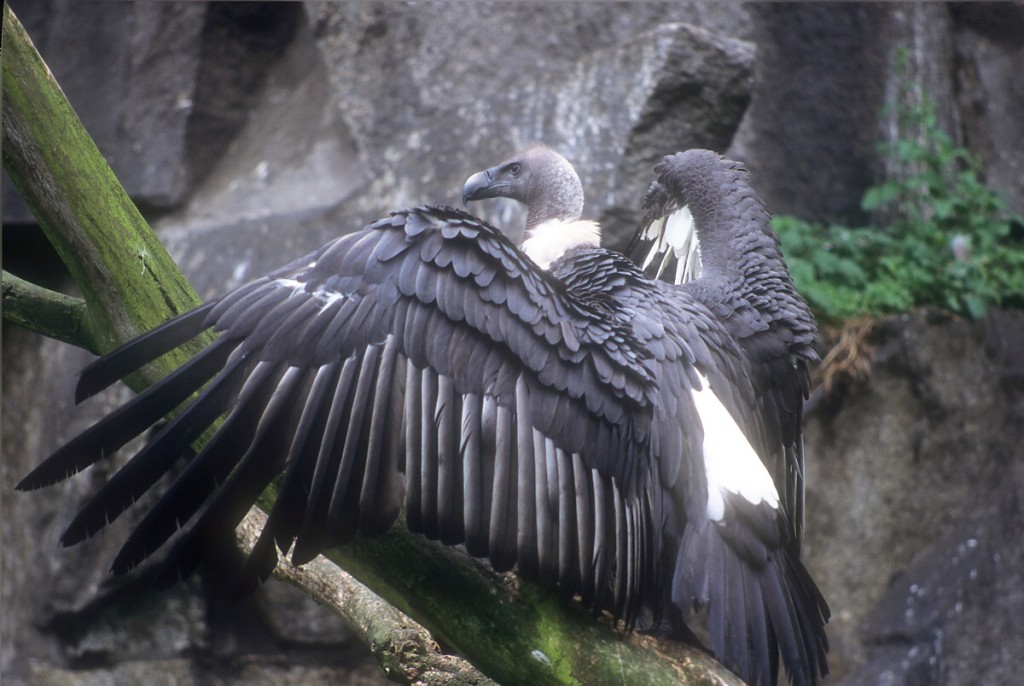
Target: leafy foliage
<point>951,242</point>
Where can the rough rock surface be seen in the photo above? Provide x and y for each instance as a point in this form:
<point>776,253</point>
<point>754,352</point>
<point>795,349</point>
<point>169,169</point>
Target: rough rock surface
<point>915,506</point>
<point>989,55</point>
<point>824,71</point>
<point>252,133</point>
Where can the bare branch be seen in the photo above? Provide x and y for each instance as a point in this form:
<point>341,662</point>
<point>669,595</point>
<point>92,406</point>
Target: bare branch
<point>403,649</point>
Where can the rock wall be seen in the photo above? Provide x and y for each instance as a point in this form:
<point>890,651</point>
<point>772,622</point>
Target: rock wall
<point>915,505</point>
<point>254,132</point>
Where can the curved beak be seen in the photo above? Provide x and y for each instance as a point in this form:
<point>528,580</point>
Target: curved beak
<point>478,186</point>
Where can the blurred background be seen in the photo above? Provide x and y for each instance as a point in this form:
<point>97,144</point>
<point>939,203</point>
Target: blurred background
<point>251,133</point>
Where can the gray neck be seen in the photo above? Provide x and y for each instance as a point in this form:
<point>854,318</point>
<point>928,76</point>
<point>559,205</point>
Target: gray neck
<point>731,222</point>
<point>560,197</point>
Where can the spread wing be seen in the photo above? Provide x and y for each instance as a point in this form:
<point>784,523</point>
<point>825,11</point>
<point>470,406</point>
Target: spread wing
<point>421,361</point>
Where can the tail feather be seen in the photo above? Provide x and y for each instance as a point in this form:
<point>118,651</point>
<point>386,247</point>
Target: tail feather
<point>754,613</point>
<point>762,638</point>
<point>778,602</point>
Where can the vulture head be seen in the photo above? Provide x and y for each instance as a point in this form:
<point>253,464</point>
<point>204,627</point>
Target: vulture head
<point>548,185</point>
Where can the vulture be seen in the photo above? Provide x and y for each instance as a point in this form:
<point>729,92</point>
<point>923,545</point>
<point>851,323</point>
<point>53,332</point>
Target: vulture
<point>633,442</point>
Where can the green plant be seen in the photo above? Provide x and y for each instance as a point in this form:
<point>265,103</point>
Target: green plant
<point>951,241</point>
<point>834,268</point>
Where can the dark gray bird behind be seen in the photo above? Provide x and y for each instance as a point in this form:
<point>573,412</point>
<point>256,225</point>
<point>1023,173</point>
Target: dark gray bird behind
<point>702,212</point>
<point>765,315</point>
<point>583,424</point>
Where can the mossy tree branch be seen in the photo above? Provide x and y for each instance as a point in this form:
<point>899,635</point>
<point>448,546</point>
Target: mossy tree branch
<point>404,650</point>
<point>128,281</point>
<point>46,312</point>
<point>512,631</point>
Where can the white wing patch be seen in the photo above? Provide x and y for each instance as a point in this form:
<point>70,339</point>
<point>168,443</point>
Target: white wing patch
<point>327,297</point>
<point>730,463</point>
<point>295,286</point>
<point>675,236</point>
<point>548,241</point>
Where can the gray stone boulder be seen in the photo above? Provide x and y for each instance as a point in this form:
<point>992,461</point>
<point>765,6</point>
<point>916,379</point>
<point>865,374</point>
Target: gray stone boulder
<point>824,71</point>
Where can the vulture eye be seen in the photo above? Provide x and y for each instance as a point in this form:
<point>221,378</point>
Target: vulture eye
<point>514,169</point>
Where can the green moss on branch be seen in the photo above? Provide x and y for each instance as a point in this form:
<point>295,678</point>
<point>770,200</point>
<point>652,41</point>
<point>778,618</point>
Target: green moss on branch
<point>128,281</point>
<point>52,314</point>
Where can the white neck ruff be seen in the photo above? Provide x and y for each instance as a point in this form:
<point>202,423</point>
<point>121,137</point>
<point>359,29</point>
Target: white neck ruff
<point>549,240</point>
